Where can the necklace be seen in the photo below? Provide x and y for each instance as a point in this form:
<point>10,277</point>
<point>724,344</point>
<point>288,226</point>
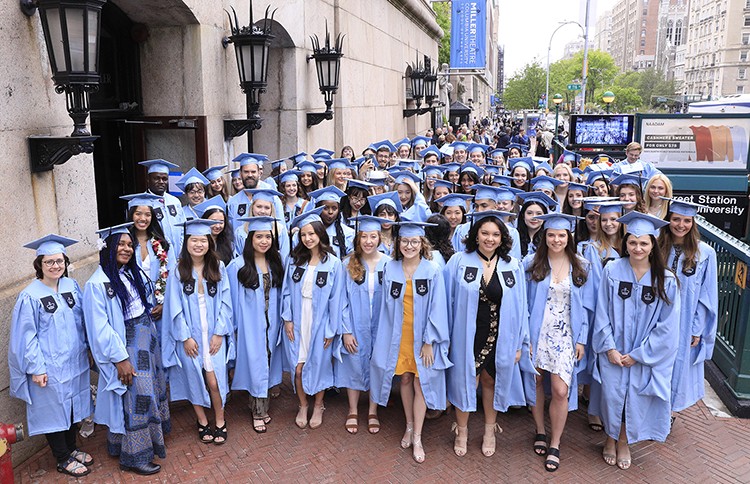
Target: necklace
<point>487,261</point>
<point>559,270</point>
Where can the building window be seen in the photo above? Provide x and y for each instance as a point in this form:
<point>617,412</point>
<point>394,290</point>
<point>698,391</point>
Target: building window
<point>743,55</point>
<point>747,21</point>
<point>740,89</point>
<point>643,33</point>
<point>678,33</point>
<point>669,31</point>
<point>745,39</point>
<point>643,43</point>
<point>742,73</point>
<point>643,52</point>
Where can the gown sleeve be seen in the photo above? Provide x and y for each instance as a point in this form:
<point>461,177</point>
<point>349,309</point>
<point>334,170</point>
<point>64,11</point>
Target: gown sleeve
<point>335,301</point>
<point>24,355</point>
<point>436,330</point>
<point>286,294</point>
<point>603,338</point>
<point>706,317</point>
<point>224,325</point>
<point>106,345</point>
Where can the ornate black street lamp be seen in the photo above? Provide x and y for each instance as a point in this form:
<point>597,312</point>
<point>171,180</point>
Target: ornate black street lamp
<point>328,67</point>
<point>251,46</point>
<point>71,32</point>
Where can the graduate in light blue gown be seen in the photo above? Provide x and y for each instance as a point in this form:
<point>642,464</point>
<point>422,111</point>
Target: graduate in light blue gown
<point>263,204</point>
<point>628,188</point>
<point>255,279</point>
<point>153,253</point>
<point>529,227</point>
<point>251,167</point>
<point>216,184</point>
<point>312,302</point>
<point>222,233</point>
<point>47,355</point>
<point>388,206</point>
<point>131,398</point>
<point>636,335</point>
<point>291,196</point>
<point>363,274</point>
<point>339,233</point>
<point>193,184</point>
<point>412,339</point>
<point>168,208</point>
<point>198,315</point>
<point>489,343</point>
<point>355,201</point>
<point>413,202</point>
<point>694,262</point>
<point>562,299</point>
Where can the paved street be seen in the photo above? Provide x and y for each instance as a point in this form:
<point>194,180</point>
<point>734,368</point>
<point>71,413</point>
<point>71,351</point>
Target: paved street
<point>702,449</point>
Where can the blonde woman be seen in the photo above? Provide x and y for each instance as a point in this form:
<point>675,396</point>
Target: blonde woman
<point>658,186</point>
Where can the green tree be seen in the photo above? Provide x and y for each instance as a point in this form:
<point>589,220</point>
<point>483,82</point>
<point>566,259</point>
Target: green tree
<point>443,11</point>
<point>647,83</point>
<point>526,87</point>
<point>626,100</point>
<point>601,73</point>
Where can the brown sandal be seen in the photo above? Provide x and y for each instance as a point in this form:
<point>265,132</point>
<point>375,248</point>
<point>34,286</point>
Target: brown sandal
<point>373,424</point>
<point>352,428</point>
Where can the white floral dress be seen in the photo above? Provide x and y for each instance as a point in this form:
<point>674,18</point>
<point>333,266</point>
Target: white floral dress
<point>555,350</point>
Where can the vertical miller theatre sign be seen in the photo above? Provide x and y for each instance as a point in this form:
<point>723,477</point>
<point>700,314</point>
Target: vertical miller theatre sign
<point>468,34</point>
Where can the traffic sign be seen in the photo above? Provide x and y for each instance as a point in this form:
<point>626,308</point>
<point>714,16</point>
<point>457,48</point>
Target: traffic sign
<point>661,99</point>
<point>574,87</point>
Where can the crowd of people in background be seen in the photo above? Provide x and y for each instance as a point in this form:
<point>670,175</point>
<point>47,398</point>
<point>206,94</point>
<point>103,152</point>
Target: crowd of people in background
<point>457,266</point>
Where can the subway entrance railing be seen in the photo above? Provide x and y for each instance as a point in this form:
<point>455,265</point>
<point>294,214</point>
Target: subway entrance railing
<point>729,371</point>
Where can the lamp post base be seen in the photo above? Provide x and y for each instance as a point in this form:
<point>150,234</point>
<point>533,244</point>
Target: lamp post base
<point>317,118</point>
<point>48,151</point>
<point>237,127</point>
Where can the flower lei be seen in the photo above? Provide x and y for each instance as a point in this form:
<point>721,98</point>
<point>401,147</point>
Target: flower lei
<point>160,285</point>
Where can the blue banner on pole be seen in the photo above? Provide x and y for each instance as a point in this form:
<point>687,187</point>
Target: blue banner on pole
<point>468,34</point>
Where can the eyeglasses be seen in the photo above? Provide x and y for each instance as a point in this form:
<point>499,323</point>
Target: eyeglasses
<point>411,242</point>
<point>55,262</point>
<point>196,191</point>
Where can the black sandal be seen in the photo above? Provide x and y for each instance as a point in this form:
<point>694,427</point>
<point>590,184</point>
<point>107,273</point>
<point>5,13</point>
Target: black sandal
<point>259,425</point>
<point>63,467</point>
<point>205,431</point>
<point>540,450</point>
<point>220,432</point>
<point>550,465</point>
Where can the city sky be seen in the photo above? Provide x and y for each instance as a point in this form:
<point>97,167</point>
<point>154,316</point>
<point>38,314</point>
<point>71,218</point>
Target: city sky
<point>526,26</point>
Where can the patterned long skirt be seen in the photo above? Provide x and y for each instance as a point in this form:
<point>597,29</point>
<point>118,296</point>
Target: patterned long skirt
<point>145,402</point>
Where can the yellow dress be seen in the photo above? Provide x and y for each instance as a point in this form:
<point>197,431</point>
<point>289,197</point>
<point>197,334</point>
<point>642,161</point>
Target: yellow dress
<point>406,362</point>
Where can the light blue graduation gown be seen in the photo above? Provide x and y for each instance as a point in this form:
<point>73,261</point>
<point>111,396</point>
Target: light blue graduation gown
<point>430,323</point>
<point>327,302</point>
<point>181,318</point>
<point>255,336</point>
<point>289,214</point>
<point>457,239</point>
<point>238,205</point>
<point>348,237</point>
<point>648,172</point>
<point>105,328</point>
<point>649,333</point>
<point>582,310</point>
<point>169,213</point>
<point>418,212</point>
<point>190,214</point>
<point>437,259</point>
<point>240,237</point>
<point>47,335</point>
<point>699,302</point>
<point>462,275</point>
<point>360,320</point>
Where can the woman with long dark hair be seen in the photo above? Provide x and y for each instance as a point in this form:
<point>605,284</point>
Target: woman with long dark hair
<point>339,233</point>
<point>263,205</point>
<point>364,273</point>
<point>598,179</point>
<point>291,198</point>
<point>132,389</point>
<point>255,279</point>
<point>453,209</point>
<point>354,203</point>
<point>439,236</point>
<point>469,176</point>
<point>440,189</point>
<point>312,295</point>
<point>520,171</point>
<point>47,355</point>
<point>561,297</point>
<point>636,341</point>
<point>198,310</point>
<point>222,233</point>
<point>308,179</point>
<point>489,328</point>
<point>527,223</point>
<point>412,338</point>
<point>387,206</point>
<point>694,263</point>
<point>629,190</point>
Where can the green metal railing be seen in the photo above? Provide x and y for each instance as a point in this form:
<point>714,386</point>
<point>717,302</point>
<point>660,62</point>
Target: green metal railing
<point>732,349</point>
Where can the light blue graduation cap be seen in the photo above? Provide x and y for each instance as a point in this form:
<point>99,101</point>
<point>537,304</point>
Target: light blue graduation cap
<point>214,172</point>
<point>459,145</point>
<point>454,200</point>
<point>50,244</point>
<point>590,202</point>
<point>383,145</point>
<point>485,192</point>
<point>538,197</point>
<point>432,170</point>
<point>368,223</point>
<point>627,179</point>
<point>577,171</point>
<point>610,206</point>
<point>159,166</point>
<point>522,148</point>
<point>364,185</point>
<point>400,176</point>
<point>141,199</point>
<point>289,176</point>
<point>446,149</point>
<point>578,186</point>
<point>544,182</point>
<point>327,194</point>
<point>258,224</point>
<point>198,226</point>
<point>498,151</point>
<point>265,194</point>
<point>477,148</point>
<point>324,152</point>
<point>410,164</point>
<point>402,142</point>
<point>570,156</point>
<point>451,167</point>
<point>114,230</point>
<point>307,166</point>
<point>192,176</point>
<point>388,198</point>
<point>491,169</point>
<point>506,193</point>
<point>541,164</point>
<point>277,163</point>
<point>498,214</point>
<point>337,163</point>
<point>445,184</point>
<point>503,180</point>
<point>598,175</point>
<point>359,161</point>
<point>377,177</point>
<point>559,221</point>
<point>407,228</point>
<point>245,159</point>
<point>298,158</point>
<point>306,218</point>
<point>523,162</point>
<point>420,141</point>
<point>235,173</point>
<point>471,168</point>
<point>639,224</point>
<point>682,207</point>
<point>213,202</point>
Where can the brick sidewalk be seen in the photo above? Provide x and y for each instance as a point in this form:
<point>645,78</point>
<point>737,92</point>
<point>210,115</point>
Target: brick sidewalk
<point>702,449</point>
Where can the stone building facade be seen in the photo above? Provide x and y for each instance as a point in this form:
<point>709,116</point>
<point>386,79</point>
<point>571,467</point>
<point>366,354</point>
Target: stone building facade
<point>167,86</point>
